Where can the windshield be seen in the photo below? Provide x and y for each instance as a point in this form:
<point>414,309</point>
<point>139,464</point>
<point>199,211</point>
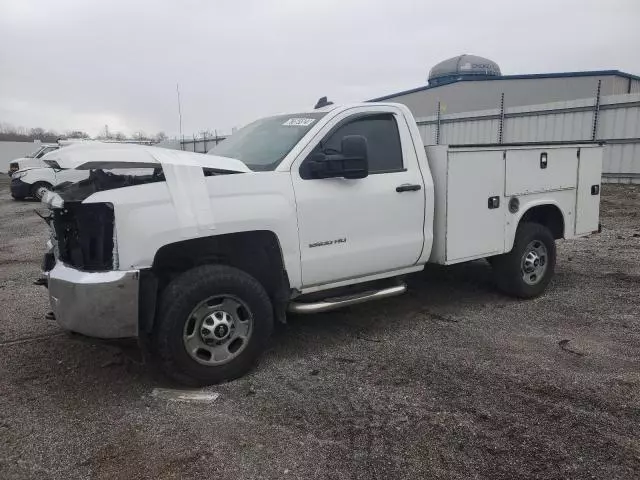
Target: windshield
<point>263,144</point>
<point>33,154</point>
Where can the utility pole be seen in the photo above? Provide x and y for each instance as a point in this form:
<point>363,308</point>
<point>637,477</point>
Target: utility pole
<point>179,114</point>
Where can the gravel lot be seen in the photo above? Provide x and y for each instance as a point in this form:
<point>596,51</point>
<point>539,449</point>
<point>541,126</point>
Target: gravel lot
<point>451,380</point>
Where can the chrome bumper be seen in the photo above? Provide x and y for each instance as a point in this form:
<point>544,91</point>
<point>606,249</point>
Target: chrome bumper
<point>96,304</point>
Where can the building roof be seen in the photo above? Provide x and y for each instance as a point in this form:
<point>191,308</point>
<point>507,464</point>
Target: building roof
<point>591,73</point>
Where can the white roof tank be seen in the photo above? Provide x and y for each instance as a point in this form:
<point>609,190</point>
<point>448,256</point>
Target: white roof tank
<point>462,67</point>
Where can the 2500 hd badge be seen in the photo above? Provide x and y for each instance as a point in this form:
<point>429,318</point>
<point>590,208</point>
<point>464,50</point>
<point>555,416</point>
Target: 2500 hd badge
<point>327,242</point>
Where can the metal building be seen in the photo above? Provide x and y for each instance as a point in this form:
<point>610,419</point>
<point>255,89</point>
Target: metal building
<point>467,82</point>
<point>468,101</point>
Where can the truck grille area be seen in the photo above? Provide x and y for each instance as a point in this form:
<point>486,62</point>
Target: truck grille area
<point>84,235</point>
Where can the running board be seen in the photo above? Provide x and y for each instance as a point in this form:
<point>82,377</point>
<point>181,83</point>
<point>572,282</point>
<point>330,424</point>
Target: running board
<point>339,302</point>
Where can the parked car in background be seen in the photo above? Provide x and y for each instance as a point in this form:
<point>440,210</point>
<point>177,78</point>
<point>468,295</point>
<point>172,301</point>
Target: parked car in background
<point>31,176</point>
<point>32,160</point>
<point>34,180</point>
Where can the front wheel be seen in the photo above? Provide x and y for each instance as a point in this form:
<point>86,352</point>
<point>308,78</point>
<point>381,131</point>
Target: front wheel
<point>39,189</point>
<point>527,269</point>
<point>212,325</point>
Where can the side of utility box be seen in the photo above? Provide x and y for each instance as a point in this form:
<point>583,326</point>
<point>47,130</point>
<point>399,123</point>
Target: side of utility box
<point>482,192</point>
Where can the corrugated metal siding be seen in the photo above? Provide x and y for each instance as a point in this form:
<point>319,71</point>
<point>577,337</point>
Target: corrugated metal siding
<point>620,120</point>
<point>622,158</point>
<point>548,128</point>
<point>428,133</point>
<point>485,94</point>
<point>474,131</point>
<point>617,86</point>
<point>623,86</point>
<point>618,124</point>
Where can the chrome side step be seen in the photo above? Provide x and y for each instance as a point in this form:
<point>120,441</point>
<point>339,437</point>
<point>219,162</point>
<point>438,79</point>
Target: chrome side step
<point>339,302</point>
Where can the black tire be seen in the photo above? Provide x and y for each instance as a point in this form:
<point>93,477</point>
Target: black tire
<point>36,187</point>
<point>17,198</point>
<point>178,301</point>
<point>515,273</point>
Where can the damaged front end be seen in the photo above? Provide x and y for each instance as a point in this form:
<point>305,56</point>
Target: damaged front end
<point>87,291</point>
<point>100,180</point>
<point>90,292</point>
<point>83,234</point>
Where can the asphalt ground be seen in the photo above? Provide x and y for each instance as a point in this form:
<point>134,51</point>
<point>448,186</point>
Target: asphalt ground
<point>452,380</point>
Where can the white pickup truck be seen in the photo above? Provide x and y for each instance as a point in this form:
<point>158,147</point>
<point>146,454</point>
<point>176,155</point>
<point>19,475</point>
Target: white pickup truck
<point>303,212</point>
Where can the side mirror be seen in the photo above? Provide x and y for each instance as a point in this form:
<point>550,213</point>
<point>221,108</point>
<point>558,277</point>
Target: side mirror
<point>352,162</point>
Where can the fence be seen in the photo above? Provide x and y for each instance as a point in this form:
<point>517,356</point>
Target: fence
<point>201,145</point>
<point>614,120</point>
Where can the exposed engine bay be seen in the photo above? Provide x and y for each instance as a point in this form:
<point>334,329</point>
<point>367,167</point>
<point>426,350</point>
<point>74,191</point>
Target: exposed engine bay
<point>84,235</point>
<point>100,180</point>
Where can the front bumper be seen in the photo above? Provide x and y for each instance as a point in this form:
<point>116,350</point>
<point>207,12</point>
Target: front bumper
<point>19,189</point>
<point>96,304</point>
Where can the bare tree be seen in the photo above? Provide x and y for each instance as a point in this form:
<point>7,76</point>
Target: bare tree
<point>78,134</point>
<point>10,132</point>
<point>140,136</point>
<point>37,133</point>
<point>160,137</point>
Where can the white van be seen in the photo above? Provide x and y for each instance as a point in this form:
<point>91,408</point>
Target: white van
<point>33,159</point>
<point>33,178</point>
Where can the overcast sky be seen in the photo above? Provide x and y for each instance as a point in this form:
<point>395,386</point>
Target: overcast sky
<point>82,64</point>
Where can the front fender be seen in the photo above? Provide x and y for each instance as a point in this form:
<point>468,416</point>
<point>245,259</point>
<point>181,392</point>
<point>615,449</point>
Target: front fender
<point>147,219</point>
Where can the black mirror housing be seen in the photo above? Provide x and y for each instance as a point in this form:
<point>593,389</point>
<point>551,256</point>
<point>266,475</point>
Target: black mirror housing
<point>352,162</point>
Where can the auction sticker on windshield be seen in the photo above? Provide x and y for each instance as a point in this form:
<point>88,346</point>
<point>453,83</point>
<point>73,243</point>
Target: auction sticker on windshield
<point>299,122</point>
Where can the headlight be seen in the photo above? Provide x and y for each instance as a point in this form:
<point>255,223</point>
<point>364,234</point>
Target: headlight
<point>18,175</point>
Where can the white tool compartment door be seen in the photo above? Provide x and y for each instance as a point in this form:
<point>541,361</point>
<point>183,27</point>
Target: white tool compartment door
<point>475,204</point>
<point>533,170</point>
<point>588,197</point>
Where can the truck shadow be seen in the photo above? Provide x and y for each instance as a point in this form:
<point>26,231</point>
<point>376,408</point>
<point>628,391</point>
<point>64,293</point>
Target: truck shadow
<point>438,293</point>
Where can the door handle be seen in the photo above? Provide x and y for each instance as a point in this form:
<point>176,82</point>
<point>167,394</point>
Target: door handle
<point>407,187</point>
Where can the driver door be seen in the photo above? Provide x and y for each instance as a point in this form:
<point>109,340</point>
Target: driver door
<point>357,227</point>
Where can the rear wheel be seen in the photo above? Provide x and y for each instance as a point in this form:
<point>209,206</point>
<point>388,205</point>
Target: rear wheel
<point>213,323</point>
<point>39,189</point>
<point>527,269</point>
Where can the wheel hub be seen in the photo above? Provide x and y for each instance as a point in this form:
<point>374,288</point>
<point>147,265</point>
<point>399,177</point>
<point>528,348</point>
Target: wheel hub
<point>217,330</point>
<point>216,327</point>
<point>534,262</point>
<point>531,261</point>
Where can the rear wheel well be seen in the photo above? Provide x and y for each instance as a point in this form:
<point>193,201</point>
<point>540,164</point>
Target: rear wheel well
<point>549,216</point>
<point>257,253</point>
